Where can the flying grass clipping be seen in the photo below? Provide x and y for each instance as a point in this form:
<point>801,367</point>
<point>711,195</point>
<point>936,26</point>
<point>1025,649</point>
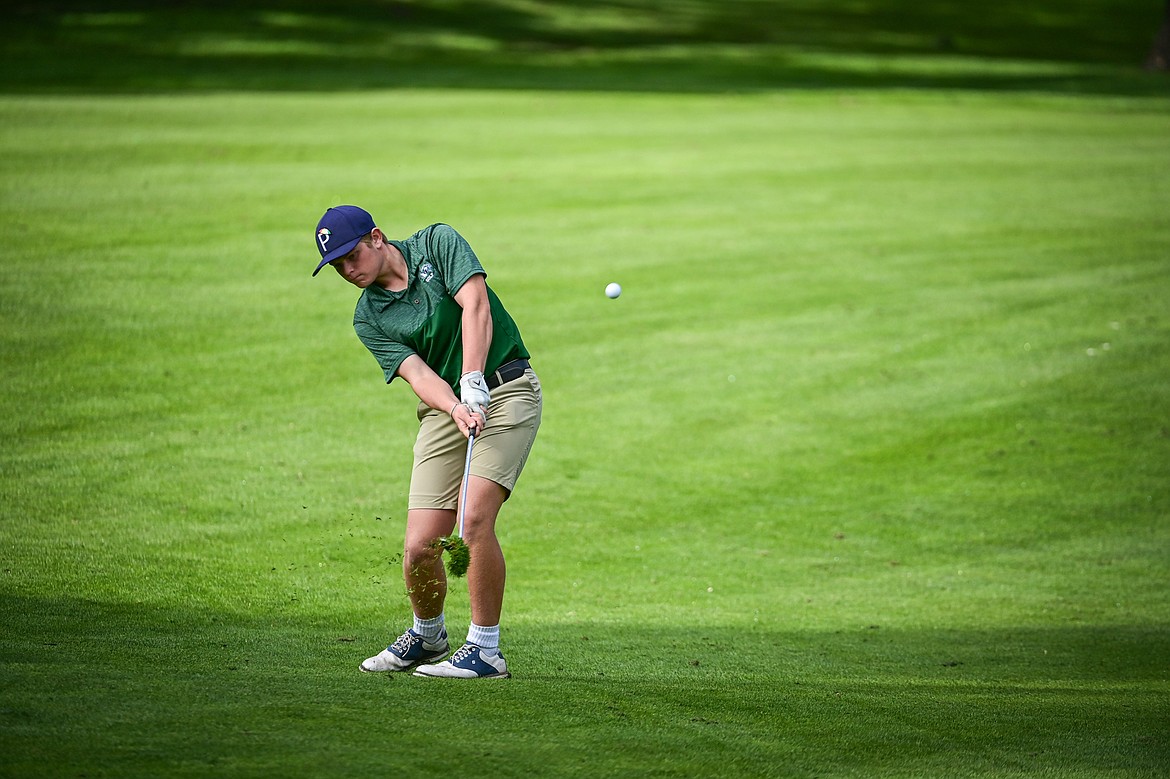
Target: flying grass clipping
<point>458,555</point>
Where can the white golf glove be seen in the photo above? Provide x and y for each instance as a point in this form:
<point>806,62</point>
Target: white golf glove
<point>473,392</point>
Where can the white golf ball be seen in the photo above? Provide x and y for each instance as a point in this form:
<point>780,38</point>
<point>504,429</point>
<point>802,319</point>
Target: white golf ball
<point>613,289</point>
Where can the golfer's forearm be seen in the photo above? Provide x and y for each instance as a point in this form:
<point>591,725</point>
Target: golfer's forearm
<point>427,384</point>
<point>476,322</point>
<point>477,335</point>
<point>436,393</point>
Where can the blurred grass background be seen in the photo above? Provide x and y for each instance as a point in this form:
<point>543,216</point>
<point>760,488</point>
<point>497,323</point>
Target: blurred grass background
<point>1094,46</point>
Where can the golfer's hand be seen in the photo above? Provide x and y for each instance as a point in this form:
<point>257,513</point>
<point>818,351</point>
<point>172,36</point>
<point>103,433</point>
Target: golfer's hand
<point>468,421</point>
<point>473,392</point>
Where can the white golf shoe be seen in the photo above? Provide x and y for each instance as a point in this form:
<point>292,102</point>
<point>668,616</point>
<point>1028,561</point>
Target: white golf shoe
<point>408,650</point>
<point>470,662</point>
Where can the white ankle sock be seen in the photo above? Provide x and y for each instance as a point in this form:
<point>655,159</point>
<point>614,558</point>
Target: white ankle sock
<point>429,629</point>
<point>484,637</point>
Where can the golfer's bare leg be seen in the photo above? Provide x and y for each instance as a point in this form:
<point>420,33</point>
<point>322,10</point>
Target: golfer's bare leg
<point>422,566</point>
<point>486,574</point>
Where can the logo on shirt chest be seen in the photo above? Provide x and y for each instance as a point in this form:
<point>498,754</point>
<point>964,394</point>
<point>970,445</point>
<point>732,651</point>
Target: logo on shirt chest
<point>426,272</point>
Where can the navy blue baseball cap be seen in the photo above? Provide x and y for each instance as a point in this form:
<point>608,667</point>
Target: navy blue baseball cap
<point>340,230</point>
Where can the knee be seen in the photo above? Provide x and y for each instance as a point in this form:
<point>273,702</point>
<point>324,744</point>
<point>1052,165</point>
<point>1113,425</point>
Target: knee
<point>478,529</point>
<point>419,553</point>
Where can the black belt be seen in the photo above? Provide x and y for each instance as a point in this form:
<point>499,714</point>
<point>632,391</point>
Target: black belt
<point>506,373</point>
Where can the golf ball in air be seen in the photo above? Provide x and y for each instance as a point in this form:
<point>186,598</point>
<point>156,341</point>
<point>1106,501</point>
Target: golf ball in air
<point>613,289</point>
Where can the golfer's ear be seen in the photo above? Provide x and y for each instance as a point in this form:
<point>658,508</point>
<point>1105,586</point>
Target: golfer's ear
<point>377,236</point>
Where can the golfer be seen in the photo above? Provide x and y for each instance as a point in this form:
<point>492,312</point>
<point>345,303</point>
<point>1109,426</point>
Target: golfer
<point>428,316</point>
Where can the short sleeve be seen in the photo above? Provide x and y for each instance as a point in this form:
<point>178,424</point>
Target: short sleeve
<point>454,256</point>
<point>389,354</point>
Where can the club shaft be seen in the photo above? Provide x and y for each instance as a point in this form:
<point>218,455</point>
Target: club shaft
<point>466,477</point>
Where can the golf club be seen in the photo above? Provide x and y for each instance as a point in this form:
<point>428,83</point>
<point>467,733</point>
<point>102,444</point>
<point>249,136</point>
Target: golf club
<point>466,476</point>
<point>458,555</point>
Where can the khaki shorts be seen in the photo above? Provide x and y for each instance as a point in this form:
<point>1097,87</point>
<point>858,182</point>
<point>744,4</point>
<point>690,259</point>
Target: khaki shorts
<point>499,453</point>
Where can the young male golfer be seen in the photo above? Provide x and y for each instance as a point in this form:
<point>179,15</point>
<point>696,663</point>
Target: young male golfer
<point>428,316</point>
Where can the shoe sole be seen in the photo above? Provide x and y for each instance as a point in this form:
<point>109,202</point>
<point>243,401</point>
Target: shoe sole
<point>504,675</point>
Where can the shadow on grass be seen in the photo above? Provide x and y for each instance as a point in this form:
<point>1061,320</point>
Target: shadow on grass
<point>623,45</point>
<point>135,688</point>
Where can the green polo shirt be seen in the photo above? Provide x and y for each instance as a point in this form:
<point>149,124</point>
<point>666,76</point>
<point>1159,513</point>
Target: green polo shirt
<point>424,319</point>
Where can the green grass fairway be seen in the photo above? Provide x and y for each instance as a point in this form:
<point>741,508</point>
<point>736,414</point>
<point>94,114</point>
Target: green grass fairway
<point>865,474</point>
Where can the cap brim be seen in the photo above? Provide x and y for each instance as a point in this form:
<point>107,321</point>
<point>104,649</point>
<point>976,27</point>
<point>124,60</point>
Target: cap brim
<point>340,251</point>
